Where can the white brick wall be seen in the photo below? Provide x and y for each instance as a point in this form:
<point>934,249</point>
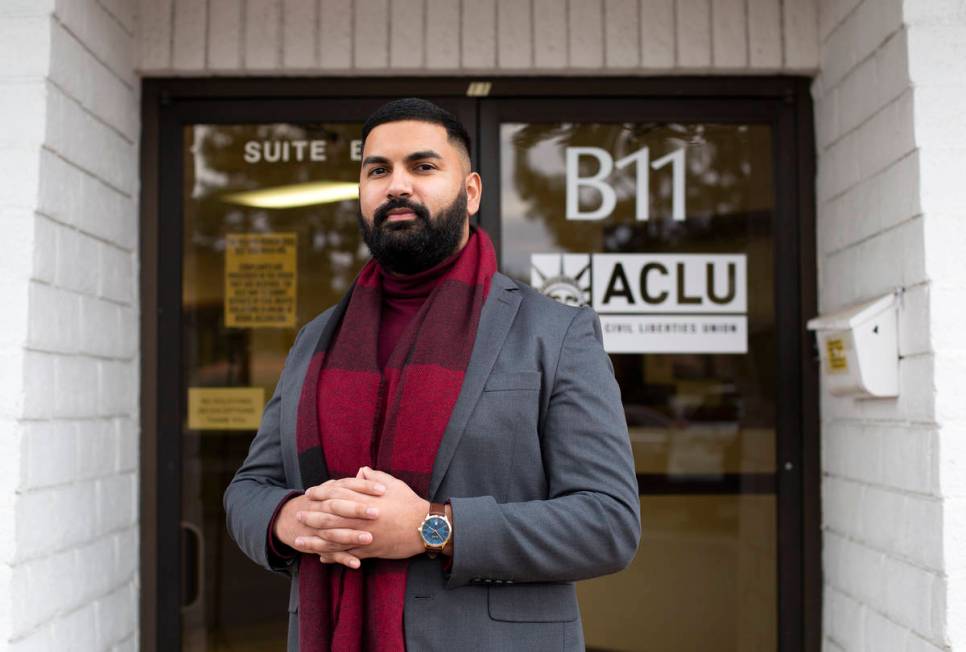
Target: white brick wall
<point>889,105</point>
<point>889,97</point>
<point>68,419</point>
<point>198,37</point>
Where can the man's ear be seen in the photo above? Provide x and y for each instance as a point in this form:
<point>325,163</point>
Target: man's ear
<point>474,192</point>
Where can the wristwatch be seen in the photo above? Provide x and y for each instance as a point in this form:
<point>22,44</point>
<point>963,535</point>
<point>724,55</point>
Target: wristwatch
<point>435,530</point>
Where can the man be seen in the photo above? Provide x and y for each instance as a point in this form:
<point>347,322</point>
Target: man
<point>445,452</point>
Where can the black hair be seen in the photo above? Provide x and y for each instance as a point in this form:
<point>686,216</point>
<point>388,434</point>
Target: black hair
<point>415,108</point>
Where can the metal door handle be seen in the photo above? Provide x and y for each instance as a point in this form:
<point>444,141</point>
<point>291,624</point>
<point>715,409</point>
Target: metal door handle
<point>192,565</point>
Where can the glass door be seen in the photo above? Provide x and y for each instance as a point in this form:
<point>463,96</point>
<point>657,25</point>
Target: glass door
<point>682,220</point>
<point>269,238</point>
<point>667,228</point>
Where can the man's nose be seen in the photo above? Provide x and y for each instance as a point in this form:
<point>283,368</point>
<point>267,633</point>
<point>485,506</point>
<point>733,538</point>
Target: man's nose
<point>400,184</point>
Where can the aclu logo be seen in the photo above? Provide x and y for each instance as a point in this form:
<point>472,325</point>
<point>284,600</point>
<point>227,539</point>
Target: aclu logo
<point>686,303</point>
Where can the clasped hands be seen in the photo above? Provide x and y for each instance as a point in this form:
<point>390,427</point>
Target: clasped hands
<point>344,521</point>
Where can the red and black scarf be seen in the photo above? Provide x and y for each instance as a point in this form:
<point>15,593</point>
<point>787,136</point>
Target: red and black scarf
<point>351,415</point>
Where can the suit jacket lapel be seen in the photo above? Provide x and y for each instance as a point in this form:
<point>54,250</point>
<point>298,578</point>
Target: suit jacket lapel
<point>495,319</point>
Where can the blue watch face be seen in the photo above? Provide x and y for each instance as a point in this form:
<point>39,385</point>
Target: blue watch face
<point>435,531</point>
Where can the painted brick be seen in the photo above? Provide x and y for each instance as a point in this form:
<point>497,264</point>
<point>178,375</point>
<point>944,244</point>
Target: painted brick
<point>892,68</point>
<point>154,34</point>
<point>93,561</point>
<point>947,314</point>
<point>940,180</point>
<point>73,196</point>
<point>77,261</point>
<point>371,38</point>
<point>68,506</point>
<point>190,27</point>
<point>116,274</point>
<point>887,136</point>
<point>20,170</point>
<point>75,631</point>
<point>24,46</point>
<point>126,553</point>
<point>944,235</point>
<point>75,389</point>
<point>845,619</point>
<point>764,34</point>
<point>96,442</point>
<point>54,312</point>
<point>406,40</point>
<point>549,22</point>
<point>442,34</point>
<point>938,110</point>
<point>921,615</point>
<point>514,34</point>
<point>22,113</point>
<point>15,267</point>
<point>116,614</point>
<point>115,500</point>
<point>914,317</point>
<point>95,87</point>
<point>128,438</point>
<point>224,38</point>
<point>105,37</point>
<point>693,33</point>
<point>586,33</point>
<point>48,454</point>
<point>88,143</point>
<point>39,393</point>
<point>478,34</point>
<point>298,33</point>
<point>800,30</point>
<point>657,34</point>
<point>621,33</point>
<point>20,8</point>
<point>335,34</point>
<point>950,369</point>
<point>118,388</point>
<point>123,11</point>
<point>263,26</point>
<point>831,13</point>
<point>729,37</point>
<point>99,327</point>
<point>859,98</point>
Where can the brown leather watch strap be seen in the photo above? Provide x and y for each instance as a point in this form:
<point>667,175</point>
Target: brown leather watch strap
<point>437,508</point>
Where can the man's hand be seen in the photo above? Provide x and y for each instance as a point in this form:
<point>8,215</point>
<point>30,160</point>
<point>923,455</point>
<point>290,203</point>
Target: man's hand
<point>331,518</point>
<point>395,531</point>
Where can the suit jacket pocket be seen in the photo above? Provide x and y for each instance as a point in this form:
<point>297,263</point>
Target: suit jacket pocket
<point>510,380</point>
<point>533,602</point>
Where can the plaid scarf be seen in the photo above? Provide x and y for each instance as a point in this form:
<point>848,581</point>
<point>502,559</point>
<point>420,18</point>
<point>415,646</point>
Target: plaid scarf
<point>391,421</point>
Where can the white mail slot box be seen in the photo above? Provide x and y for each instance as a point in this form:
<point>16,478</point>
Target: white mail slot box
<point>859,348</point>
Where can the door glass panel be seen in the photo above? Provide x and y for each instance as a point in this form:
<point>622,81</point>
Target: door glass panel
<point>270,239</point>
<point>666,230</point>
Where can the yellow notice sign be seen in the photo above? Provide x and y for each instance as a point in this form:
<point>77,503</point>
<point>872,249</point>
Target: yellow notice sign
<point>260,280</point>
<point>225,408</point>
<point>838,361</point>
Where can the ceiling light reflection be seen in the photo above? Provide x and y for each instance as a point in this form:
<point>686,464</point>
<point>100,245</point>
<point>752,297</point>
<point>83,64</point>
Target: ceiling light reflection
<point>296,195</point>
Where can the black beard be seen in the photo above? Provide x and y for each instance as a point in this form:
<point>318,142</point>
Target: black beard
<point>412,246</point>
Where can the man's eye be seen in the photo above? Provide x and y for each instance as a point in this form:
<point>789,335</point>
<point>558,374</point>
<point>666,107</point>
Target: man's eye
<point>426,167</point>
<point>373,171</point>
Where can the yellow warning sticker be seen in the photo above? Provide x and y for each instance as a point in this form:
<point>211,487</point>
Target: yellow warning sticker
<point>225,408</point>
<point>838,360</point>
<point>260,280</point>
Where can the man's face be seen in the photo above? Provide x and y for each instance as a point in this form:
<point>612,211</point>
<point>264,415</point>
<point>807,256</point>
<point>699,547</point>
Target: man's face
<point>415,193</point>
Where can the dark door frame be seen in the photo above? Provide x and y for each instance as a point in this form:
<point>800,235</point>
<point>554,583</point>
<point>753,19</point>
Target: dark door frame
<point>783,102</point>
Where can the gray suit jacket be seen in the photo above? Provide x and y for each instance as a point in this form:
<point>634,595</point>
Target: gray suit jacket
<point>535,460</point>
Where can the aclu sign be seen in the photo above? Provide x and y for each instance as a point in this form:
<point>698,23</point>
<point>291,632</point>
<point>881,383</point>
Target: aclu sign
<point>654,303</point>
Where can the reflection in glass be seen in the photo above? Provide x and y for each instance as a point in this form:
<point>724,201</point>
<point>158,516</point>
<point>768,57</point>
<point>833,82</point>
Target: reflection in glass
<point>251,180</point>
<point>703,579</point>
<point>705,575</point>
